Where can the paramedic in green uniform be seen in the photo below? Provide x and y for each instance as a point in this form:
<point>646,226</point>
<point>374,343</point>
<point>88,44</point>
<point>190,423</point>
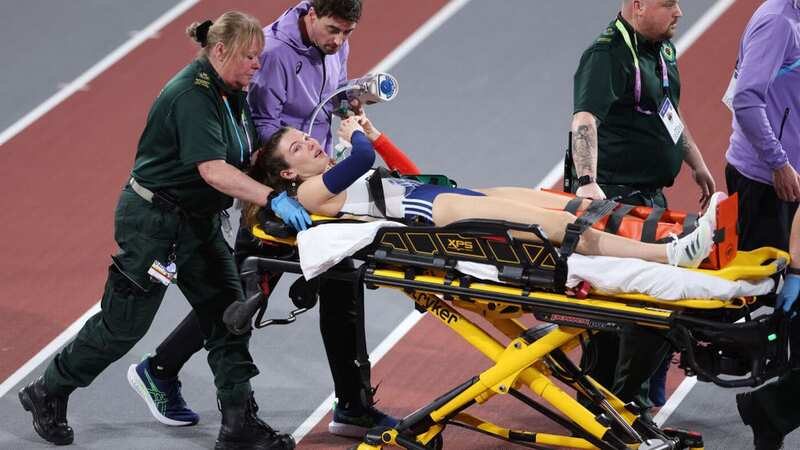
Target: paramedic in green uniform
<point>628,143</point>
<point>198,137</point>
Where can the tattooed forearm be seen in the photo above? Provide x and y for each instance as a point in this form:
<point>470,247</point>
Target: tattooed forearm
<point>584,149</point>
<point>685,145</point>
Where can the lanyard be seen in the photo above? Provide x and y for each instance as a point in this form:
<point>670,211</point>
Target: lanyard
<point>236,129</point>
<point>637,87</point>
<point>786,69</point>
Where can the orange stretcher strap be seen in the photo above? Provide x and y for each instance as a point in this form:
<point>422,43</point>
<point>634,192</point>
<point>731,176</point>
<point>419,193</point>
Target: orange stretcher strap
<point>647,224</point>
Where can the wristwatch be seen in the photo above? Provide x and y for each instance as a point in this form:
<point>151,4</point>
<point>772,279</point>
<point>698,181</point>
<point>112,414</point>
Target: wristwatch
<point>586,179</point>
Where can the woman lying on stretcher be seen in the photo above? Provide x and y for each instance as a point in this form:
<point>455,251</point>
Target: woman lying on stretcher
<point>293,160</point>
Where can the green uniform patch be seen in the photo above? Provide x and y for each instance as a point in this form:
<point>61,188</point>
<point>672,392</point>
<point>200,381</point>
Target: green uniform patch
<point>668,51</point>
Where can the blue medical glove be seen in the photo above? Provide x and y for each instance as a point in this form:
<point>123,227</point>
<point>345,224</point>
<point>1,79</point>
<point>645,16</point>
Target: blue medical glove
<point>789,292</point>
<point>290,211</point>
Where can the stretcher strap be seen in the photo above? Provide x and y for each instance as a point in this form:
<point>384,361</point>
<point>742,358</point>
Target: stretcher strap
<point>650,225</point>
<point>375,184</point>
<point>690,223</point>
<point>573,205</point>
<point>615,220</point>
<point>572,235</point>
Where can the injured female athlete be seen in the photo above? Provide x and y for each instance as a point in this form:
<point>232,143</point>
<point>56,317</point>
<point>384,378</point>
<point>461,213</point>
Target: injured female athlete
<point>293,161</point>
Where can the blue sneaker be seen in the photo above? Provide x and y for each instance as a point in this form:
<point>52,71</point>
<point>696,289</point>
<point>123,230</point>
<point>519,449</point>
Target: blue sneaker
<point>355,422</point>
<point>163,397</point>
<point>658,383</point>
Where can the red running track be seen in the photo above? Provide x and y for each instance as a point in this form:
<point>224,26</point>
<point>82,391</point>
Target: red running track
<point>60,177</point>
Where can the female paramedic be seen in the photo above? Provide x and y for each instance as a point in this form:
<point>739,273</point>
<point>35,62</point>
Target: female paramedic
<point>197,138</point>
<point>291,160</point>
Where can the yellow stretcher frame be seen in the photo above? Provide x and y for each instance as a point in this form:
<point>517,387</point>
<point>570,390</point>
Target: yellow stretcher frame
<point>519,363</point>
<point>528,360</point>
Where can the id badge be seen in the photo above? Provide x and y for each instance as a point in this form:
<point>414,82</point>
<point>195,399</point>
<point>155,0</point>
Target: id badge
<point>727,97</point>
<point>163,274</point>
<point>671,120</point>
<point>228,233</point>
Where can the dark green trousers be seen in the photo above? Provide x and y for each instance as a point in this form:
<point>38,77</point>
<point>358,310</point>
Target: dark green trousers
<point>626,360</point>
<point>207,276</point>
<point>778,399</point>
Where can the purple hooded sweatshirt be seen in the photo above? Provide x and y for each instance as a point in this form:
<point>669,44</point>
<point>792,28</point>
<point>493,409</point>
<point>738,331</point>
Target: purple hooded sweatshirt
<point>294,77</point>
<point>768,84</point>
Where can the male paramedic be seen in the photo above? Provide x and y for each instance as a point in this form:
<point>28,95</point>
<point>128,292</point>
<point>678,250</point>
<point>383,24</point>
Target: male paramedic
<point>628,142</point>
<point>304,61</point>
<point>762,159</point>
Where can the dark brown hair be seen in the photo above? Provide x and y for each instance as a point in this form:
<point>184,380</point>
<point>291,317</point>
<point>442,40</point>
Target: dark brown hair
<point>267,170</point>
<point>349,10</point>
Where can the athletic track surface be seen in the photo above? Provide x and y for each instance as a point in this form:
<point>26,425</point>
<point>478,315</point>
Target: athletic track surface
<point>57,202</point>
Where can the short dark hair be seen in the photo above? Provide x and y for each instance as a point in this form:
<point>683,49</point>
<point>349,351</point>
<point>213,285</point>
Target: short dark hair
<point>349,10</point>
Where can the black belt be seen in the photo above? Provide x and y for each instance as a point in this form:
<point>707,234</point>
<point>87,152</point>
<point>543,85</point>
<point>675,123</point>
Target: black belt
<point>160,199</point>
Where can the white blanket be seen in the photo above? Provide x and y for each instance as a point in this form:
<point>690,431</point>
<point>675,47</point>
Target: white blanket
<point>324,246</point>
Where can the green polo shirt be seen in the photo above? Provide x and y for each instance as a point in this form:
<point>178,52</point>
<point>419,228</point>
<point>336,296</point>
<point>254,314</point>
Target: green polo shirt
<point>189,123</point>
<point>633,148</point>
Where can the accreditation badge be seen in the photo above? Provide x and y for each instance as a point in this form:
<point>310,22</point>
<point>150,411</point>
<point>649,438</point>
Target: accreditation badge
<point>727,97</point>
<point>671,120</point>
<point>163,273</point>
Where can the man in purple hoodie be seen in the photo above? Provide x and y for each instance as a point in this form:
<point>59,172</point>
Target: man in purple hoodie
<point>764,153</point>
<point>763,159</point>
<point>304,61</point>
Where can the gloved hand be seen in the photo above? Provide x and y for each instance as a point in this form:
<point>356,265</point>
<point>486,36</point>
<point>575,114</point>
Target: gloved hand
<point>290,211</point>
<point>789,292</point>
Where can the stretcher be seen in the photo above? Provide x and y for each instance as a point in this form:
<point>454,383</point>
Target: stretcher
<point>718,339</point>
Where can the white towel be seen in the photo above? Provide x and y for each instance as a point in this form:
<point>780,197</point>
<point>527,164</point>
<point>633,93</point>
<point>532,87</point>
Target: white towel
<point>629,275</point>
<point>324,246</point>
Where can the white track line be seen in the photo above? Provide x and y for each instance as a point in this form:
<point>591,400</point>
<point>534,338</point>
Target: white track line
<point>702,24</point>
<point>674,400</point>
<point>83,80</point>
<point>554,175</point>
<point>45,353</point>
<point>376,355</point>
<point>420,35</point>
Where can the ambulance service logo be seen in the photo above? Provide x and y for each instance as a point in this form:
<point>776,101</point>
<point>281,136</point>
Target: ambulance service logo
<point>668,52</point>
<point>606,36</point>
<point>202,80</point>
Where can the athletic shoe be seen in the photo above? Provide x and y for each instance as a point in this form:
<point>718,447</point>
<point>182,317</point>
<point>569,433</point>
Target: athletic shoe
<point>710,216</point>
<point>355,422</point>
<point>765,436</point>
<point>49,413</point>
<point>163,397</point>
<point>692,249</point>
